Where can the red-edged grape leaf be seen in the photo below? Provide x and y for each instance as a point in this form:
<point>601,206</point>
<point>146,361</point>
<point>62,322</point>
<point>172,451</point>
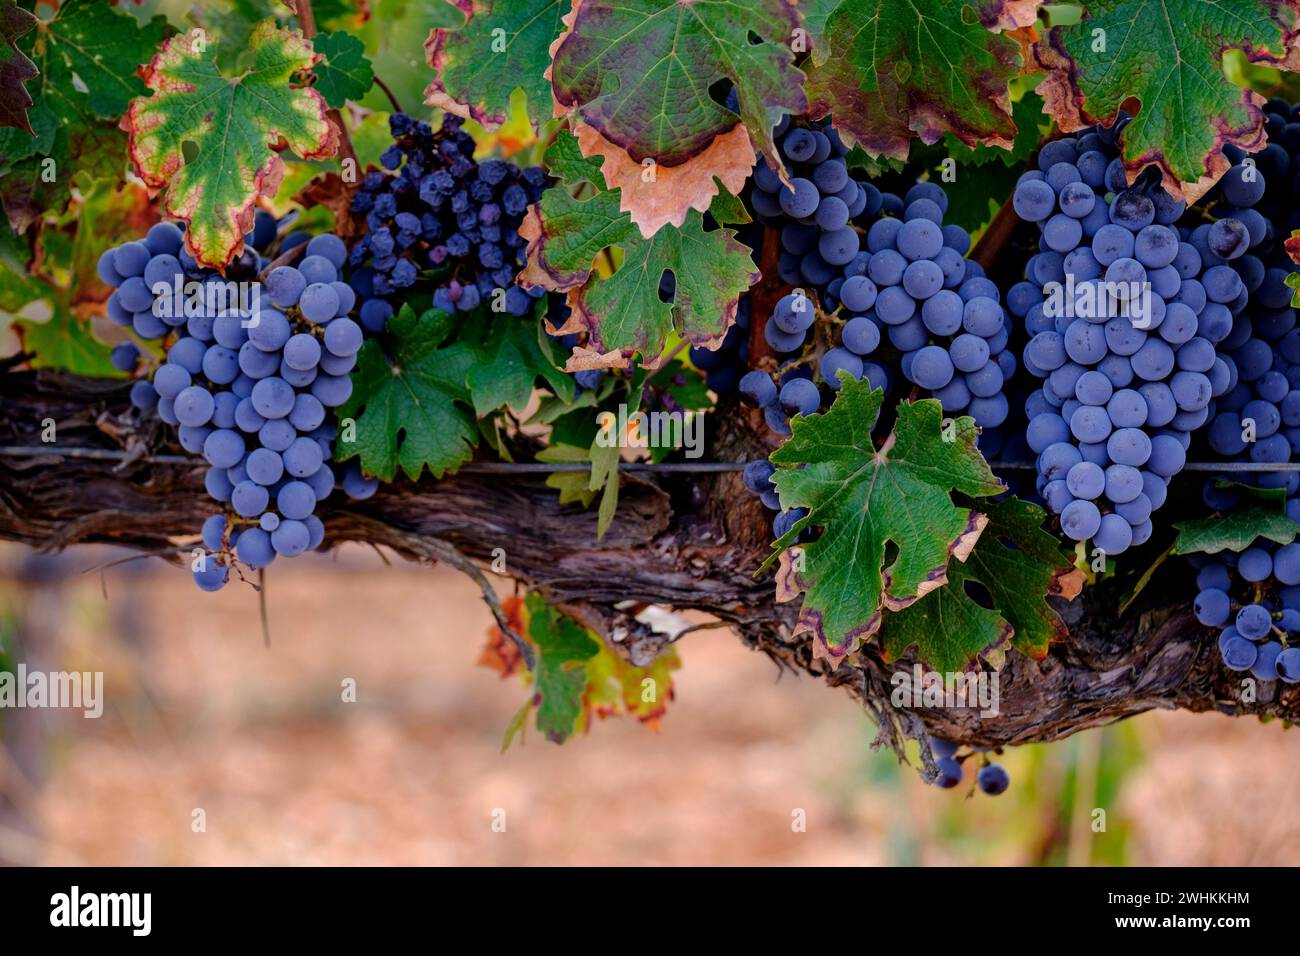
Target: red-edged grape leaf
<point>640,72</point>
<point>894,69</point>
<point>237,124</point>
<point>503,45</point>
<point>1168,54</point>
<point>623,313</point>
<point>15,68</point>
<point>864,500</point>
<point>414,410</point>
<point>343,73</point>
<point>1016,564</point>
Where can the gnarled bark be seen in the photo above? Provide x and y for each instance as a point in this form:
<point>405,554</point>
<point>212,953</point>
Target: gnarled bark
<point>686,541</point>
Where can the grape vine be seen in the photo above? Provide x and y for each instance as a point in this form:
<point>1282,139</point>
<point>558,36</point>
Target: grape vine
<point>988,353</point>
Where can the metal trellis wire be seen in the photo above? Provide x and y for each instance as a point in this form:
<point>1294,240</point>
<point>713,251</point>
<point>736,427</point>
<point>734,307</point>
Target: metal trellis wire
<point>542,468</point>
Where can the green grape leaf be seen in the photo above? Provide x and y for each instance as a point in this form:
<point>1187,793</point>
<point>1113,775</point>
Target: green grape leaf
<point>15,68</point>
<point>870,502</point>
<point>623,312</point>
<point>47,326</point>
<point>893,69</point>
<point>508,359</point>
<point>344,73</point>
<point>641,72</point>
<point>560,677</point>
<point>1167,54</point>
<point>412,411</point>
<point>503,45</point>
<point>234,121</point>
<point>1016,564</point>
<point>1261,513</point>
<point>87,54</point>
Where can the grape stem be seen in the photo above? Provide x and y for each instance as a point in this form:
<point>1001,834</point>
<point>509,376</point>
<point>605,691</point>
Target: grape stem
<point>389,93</point>
<point>307,19</point>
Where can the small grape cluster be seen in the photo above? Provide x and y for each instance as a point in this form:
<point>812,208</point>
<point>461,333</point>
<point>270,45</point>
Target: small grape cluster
<point>992,778</point>
<point>1127,302</point>
<point>436,208</point>
<point>1258,637</point>
<point>246,382</point>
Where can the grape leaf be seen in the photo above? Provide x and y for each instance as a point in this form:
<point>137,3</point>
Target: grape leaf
<point>344,73</point>
<point>234,121</point>
<point>864,500</point>
<point>504,45</point>
<point>624,312</point>
<point>87,53</point>
<point>412,411</point>
<point>560,676</point>
<point>508,359</point>
<point>1168,54</point>
<point>15,68</point>
<point>47,327</point>
<point>617,687</point>
<point>892,69</point>
<point>641,72</point>
<point>1261,513</point>
<point>90,52</point>
<point>1017,564</point>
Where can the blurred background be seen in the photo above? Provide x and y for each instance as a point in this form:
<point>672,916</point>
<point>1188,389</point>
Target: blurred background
<point>199,714</point>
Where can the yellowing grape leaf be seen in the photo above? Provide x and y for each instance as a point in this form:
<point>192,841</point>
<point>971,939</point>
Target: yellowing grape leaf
<point>237,125</point>
<point>1168,54</point>
<point>577,678</point>
<point>617,688</point>
<point>889,70</point>
<point>995,599</point>
<point>502,46</point>
<point>624,313</point>
<point>869,502</point>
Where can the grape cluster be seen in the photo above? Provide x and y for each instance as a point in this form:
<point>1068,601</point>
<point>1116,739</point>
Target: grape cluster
<point>894,281</point>
<point>248,379</point>
<point>1128,310</point>
<point>436,208</point>
<point>1254,596</point>
<point>1257,619</point>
